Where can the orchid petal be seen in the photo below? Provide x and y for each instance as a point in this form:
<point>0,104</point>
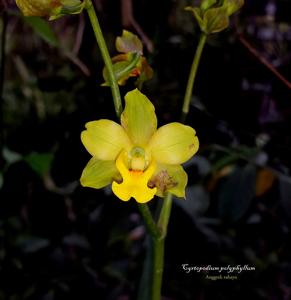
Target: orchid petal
<point>169,178</point>
<point>138,118</point>
<point>173,143</point>
<point>135,183</point>
<point>99,173</point>
<point>104,139</point>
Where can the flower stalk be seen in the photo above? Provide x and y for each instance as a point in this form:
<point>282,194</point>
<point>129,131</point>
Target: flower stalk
<point>159,247</point>
<point>149,221</point>
<point>158,232</point>
<point>106,57</point>
<point>192,76</point>
<point>159,244</point>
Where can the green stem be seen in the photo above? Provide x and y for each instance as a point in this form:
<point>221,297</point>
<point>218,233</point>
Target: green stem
<point>158,264</point>
<point>159,248</point>
<point>149,221</point>
<point>105,55</point>
<point>130,67</point>
<point>192,76</point>
<point>165,214</point>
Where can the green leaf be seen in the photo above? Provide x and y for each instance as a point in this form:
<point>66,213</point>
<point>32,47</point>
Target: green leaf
<point>236,193</point>
<point>39,162</point>
<point>42,28</point>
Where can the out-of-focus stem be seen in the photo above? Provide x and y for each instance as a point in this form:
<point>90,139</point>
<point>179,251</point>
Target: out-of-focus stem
<point>192,76</point>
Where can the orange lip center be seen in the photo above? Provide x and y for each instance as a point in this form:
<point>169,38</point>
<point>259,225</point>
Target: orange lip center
<point>136,173</point>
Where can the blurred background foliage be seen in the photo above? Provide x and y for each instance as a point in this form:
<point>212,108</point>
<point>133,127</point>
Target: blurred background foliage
<point>61,241</point>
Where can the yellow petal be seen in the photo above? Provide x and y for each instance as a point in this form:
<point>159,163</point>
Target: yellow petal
<point>99,173</point>
<point>170,178</point>
<point>138,118</point>
<point>134,184</point>
<point>104,139</point>
<point>173,143</point>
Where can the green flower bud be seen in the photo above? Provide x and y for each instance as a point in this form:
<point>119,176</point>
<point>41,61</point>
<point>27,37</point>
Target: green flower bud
<point>213,15</point>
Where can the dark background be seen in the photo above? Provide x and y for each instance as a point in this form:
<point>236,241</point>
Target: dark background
<point>59,240</point>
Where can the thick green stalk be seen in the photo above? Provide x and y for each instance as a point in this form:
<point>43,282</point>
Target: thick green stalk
<point>165,214</point>
<point>192,76</point>
<point>158,264</point>
<point>149,221</point>
<point>159,248</point>
<point>106,57</point>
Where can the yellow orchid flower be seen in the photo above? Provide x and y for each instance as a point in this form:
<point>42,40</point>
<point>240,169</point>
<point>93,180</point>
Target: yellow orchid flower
<point>139,160</point>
